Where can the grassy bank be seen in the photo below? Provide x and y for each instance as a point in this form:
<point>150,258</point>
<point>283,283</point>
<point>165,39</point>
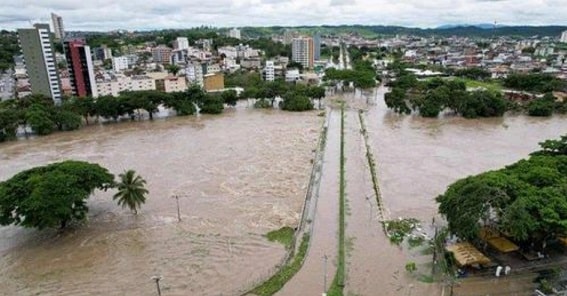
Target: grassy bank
<point>338,283</point>
<point>284,235</point>
<point>278,280</point>
<point>372,166</point>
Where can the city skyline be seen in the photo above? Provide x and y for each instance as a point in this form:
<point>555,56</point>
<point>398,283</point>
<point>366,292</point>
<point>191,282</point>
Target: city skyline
<point>105,15</point>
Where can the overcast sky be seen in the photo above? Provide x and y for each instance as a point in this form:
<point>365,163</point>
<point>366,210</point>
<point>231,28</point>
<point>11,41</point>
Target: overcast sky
<point>156,14</point>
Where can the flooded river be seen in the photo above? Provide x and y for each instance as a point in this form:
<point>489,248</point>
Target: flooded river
<point>237,175</point>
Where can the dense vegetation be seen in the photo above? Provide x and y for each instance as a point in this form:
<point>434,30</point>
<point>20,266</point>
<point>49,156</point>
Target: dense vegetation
<point>296,97</point>
<point>43,117</point>
<point>538,83</point>
<point>526,200</point>
<point>52,195</point>
<point>431,97</point>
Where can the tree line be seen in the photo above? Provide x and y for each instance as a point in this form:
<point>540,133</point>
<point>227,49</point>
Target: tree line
<point>53,195</point>
<point>295,96</point>
<point>526,200</point>
<point>431,97</point>
<point>39,113</point>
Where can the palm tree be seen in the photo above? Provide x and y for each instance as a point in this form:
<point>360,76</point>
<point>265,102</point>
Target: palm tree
<point>131,191</point>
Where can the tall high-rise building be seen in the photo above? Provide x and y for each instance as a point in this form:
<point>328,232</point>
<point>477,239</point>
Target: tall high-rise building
<point>39,58</point>
<point>234,33</point>
<point>80,66</point>
<point>302,51</point>
<point>564,37</point>
<point>317,46</point>
<point>181,43</point>
<point>58,28</point>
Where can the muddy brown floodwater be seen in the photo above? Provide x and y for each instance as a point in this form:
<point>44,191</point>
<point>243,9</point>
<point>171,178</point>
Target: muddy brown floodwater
<point>237,175</point>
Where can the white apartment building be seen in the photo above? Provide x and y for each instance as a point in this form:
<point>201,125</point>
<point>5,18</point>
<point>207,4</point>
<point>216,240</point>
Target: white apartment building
<point>292,75</point>
<point>119,64</point>
<point>213,68</point>
<point>234,33</point>
<point>269,71</point>
<point>121,83</point>
<point>563,37</point>
<point>194,73</point>
<point>228,51</point>
<point>181,43</point>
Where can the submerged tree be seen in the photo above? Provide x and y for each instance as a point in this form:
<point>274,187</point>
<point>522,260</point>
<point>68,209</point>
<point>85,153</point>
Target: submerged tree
<point>131,191</point>
<point>51,195</point>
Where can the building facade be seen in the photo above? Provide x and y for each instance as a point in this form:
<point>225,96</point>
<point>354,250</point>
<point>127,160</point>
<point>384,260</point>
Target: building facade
<point>302,51</point>
<point>80,67</point>
<point>181,43</point>
<point>317,46</point>
<point>564,37</point>
<point>115,85</point>
<point>269,71</point>
<point>162,55</point>
<point>39,58</point>
<point>58,28</point>
<point>119,64</point>
<point>213,82</point>
<point>234,33</point>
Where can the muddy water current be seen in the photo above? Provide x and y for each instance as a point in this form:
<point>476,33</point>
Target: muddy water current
<point>237,176</point>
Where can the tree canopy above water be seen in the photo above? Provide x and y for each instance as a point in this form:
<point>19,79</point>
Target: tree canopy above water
<point>526,200</point>
<point>51,195</point>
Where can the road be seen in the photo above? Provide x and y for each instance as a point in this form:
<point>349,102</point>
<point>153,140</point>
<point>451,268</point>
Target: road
<point>311,277</point>
<point>7,85</point>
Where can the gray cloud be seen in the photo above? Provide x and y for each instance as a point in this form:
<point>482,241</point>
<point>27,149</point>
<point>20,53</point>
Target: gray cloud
<point>154,14</point>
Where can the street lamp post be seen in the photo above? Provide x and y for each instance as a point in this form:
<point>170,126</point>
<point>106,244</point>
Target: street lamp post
<point>157,279</point>
<point>325,273</point>
<point>178,213</point>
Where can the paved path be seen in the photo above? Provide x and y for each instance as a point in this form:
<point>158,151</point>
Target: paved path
<point>309,280</point>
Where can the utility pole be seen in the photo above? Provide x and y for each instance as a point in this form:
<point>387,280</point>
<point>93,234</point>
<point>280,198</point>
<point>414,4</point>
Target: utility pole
<point>157,278</point>
<point>325,274</point>
<point>178,213</point>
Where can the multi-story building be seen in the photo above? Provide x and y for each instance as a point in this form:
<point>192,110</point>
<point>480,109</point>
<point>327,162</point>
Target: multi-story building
<point>119,63</point>
<point>213,82</point>
<point>161,54</point>
<point>39,57</point>
<point>302,50</point>
<point>58,28</point>
<point>80,67</point>
<point>102,53</point>
<point>292,75</point>
<point>317,46</point>
<point>234,33</point>
<point>563,37</point>
<point>269,71</point>
<point>112,86</point>
<point>194,73</point>
<point>171,84</point>
<point>181,43</point>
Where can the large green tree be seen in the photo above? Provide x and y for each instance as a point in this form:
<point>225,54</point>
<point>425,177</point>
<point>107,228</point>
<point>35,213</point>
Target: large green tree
<point>131,191</point>
<point>51,195</point>
<point>526,200</point>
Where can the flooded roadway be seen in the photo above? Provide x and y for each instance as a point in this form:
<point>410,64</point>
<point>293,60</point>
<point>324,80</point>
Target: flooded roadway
<point>238,176</point>
<point>324,238</point>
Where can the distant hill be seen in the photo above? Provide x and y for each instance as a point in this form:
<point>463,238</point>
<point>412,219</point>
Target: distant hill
<point>480,26</point>
<point>477,31</point>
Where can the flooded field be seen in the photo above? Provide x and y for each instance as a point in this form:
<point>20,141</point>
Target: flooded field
<point>238,176</point>
<point>419,157</point>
